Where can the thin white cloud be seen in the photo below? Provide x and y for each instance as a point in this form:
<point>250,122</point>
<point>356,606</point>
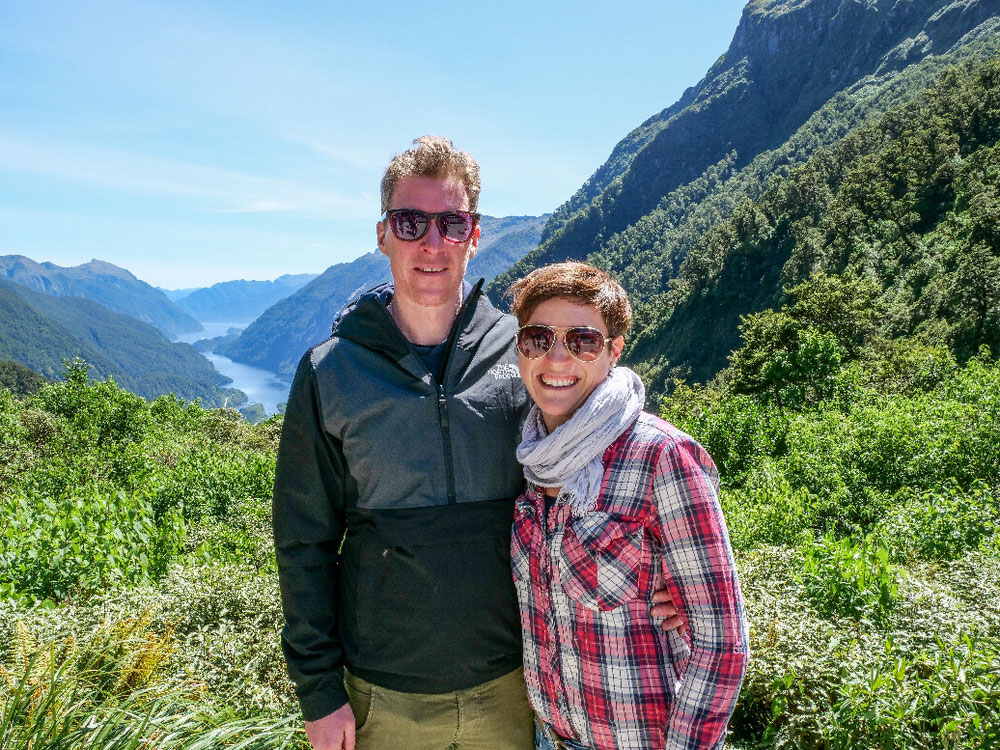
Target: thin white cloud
<point>221,189</point>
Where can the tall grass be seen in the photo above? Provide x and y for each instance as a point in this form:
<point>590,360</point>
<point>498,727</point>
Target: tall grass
<point>107,692</point>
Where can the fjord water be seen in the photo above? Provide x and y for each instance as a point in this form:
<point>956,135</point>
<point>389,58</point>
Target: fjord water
<point>261,386</point>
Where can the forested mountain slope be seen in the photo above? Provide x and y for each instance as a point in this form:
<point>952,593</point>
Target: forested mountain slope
<point>908,207</point>
<point>39,331</point>
<point>104,283</point>
<point>281,335</point>
<point>789,60</point>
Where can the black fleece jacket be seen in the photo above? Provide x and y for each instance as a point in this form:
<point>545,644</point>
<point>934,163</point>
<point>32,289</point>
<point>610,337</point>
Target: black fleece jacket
<point>393,501</point>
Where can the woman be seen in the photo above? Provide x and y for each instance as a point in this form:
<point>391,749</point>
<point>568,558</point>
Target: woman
<point>612,491</point>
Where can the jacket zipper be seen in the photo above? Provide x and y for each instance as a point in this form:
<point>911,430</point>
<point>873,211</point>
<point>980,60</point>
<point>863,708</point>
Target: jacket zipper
<point>449,461</point>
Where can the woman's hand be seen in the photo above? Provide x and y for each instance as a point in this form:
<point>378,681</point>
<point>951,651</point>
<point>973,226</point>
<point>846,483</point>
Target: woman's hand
<point>664,607</point>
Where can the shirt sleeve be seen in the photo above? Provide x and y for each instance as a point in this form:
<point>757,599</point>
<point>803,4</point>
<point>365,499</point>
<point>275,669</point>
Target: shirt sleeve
<point>701,576</point>
<point>308,521</point>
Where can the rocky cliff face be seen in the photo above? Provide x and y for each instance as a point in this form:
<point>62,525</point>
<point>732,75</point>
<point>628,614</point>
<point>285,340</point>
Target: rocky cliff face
<point>787,58</point>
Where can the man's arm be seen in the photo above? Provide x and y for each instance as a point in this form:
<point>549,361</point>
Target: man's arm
<point>308,516</point>
<point>701,577</point>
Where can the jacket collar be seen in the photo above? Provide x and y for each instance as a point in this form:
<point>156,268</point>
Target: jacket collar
<point>367,322</point>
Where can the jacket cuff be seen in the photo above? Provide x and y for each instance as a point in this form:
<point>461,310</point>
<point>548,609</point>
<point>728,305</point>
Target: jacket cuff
<point>325,700</point>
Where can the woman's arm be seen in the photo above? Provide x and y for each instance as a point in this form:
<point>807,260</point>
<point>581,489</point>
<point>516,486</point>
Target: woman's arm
<point>701,577</point>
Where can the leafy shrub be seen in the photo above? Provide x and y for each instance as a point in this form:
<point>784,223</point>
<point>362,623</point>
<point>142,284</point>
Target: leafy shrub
<point>206,482</point>
<point>737,432</point>
<point>99,412</point>
<point>767,510</point>
<point>82,542</point>
<point>848,684</point>
<point>948,696</point>
<point>241,535</point>
<point>942,524</point>
<point>851,579</point>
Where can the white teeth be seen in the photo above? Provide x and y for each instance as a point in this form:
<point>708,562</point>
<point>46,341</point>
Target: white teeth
<point>558,382</point>
<point>431,270</point>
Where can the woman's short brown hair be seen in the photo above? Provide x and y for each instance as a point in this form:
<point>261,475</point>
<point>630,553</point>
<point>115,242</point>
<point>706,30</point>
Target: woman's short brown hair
<point>581,283</point>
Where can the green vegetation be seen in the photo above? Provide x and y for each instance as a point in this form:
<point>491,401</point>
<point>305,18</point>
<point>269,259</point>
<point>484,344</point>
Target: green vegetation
<point>138,591</point>
<point>861,486</point>
<point>19,379</point>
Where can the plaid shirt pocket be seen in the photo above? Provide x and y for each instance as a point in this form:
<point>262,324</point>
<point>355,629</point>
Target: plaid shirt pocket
<point>605,560</point>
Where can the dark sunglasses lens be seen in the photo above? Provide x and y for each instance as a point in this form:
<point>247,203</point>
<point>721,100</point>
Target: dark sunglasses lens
<point>585,344</point>
<point>534,341</point>
<point>456,226</point>
<point>408,225</point>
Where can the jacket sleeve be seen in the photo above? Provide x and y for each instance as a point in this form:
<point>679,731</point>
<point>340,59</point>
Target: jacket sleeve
<point>308,521</point>
<point>701,576</point>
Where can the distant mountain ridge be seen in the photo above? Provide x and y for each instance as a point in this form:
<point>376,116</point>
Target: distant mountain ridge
<point>279,337</point>
<point>115,288</point>
<point>39,331</point>
<point>240,300</point>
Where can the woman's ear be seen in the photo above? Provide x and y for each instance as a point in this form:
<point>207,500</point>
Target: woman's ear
<point>617,345</point>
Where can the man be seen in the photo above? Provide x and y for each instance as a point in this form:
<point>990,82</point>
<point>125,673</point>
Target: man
<point>394,492</point>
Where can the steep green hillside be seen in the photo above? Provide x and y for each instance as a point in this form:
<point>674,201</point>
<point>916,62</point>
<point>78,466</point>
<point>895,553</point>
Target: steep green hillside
<point>18,379</point>
<point>281,335</point>
<point>787,60</point>
<point>40,331</point>
<point>908,202</point>
<point>108,285</point>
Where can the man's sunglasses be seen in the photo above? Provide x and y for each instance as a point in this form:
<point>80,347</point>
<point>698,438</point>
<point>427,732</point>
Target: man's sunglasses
<point>410,224</point>
<point>584,343</point>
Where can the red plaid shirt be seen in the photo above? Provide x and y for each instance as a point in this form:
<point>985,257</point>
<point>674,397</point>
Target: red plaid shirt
<point>598,667</point>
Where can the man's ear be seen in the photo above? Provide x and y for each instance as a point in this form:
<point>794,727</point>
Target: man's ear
<point>474,241</point>
<point>380,237</point>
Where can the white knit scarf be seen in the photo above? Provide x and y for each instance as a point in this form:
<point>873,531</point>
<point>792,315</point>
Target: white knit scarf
<point>571,456</point>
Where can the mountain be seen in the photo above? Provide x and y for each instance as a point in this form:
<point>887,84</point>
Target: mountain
<point>787,61</point>
<point>39,331</point>
<point>893,234</point>
<point>175,294</point>
<point>279,337</point>
<point>108,285</point>
<point>236,301</point>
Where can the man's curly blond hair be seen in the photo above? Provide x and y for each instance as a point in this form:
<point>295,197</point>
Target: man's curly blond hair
<point>432,156</point>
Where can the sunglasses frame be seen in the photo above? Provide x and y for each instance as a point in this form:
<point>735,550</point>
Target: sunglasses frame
<point>556,332</point>
<point>431,218</point>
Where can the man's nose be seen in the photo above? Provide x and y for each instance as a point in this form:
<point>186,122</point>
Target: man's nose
<point>433,239</point>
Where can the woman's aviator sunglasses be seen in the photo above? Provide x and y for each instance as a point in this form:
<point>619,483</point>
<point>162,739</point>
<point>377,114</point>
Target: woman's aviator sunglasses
<point>584,343</point>
<point>411,224</point>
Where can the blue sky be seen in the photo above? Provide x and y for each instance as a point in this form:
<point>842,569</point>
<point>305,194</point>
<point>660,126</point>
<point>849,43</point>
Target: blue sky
<point>196,142</point>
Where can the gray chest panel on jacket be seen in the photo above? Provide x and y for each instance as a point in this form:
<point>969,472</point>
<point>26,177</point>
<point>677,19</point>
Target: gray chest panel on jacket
<point>410,443</point>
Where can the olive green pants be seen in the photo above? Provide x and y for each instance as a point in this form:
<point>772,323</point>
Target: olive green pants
<point>492,716</point>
